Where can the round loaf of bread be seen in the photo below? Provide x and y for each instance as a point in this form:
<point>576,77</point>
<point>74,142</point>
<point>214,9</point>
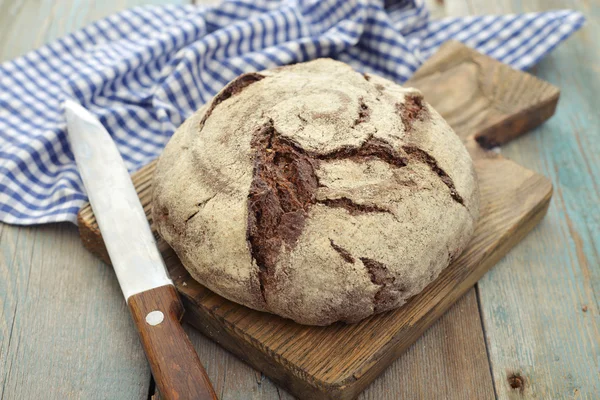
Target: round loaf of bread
<point>316,193</point>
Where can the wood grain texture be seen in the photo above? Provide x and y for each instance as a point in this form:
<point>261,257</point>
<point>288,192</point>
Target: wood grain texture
<point>496,107</point>
<point>175,366</point>
<point>71,335</point>
<point>232,378</point>
<point>533,302</point>
<point>16,246</point>
<point>349,357</point>
<point>444,363</point>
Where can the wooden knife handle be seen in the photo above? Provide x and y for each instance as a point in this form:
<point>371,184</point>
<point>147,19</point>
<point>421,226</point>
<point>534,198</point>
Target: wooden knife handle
<point>175,365</point>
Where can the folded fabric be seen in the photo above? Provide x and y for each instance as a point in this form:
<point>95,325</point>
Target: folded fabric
<point>143,71</point>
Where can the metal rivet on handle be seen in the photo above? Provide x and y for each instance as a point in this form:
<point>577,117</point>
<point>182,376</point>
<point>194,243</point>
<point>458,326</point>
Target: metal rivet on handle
<point>154,318</point>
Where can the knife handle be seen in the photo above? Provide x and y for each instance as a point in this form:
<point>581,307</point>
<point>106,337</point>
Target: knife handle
<point>173,360</point>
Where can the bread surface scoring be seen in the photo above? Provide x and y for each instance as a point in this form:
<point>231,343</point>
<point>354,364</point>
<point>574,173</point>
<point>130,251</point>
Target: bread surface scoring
<point>316,193</point>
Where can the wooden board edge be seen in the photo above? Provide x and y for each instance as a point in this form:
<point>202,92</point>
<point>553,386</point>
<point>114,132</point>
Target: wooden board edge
<point>516,125</point>
<point>517,118</point>
<point>90,235</point>
<point>253,354</point>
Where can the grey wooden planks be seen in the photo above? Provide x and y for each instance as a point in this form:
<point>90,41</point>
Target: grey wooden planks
<point>231,377</point>
<point>445,363</point>
<point>540,304</point>
<point>72,336</point>
<point>28,24</point>
<point>16,247</point>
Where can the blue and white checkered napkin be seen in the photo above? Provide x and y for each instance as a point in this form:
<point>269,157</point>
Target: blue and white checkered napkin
<point>143,71</point>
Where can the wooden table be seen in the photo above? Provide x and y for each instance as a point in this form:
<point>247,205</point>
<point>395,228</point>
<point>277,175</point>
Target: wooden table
<point>530,329</point>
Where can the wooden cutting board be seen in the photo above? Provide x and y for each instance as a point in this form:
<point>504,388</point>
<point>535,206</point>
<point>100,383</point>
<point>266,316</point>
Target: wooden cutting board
<point>487,103</point>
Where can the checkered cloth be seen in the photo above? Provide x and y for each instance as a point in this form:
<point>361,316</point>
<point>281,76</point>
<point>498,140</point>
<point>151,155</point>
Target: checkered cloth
<point>143,71</point>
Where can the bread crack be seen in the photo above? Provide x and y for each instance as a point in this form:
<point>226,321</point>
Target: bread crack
<point>191,216</point>
<point>379,275</point>
<point>364,112</point>
<point>205,202</point>
<point>378,271</point>
<point>411,110</point>
<point>369,149</point>
<point>301,118</point>
<point>233,88</point>
<point>283,188</point>
<point>421,155</point>
<point>352,207</point>
<point>200,205</point>
<point>345,254</point>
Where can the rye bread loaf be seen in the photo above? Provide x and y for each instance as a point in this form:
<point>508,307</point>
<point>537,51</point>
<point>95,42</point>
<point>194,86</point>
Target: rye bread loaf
<point>316,193</point>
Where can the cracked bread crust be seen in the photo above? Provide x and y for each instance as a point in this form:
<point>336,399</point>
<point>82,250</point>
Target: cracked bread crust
<point>316,193</point>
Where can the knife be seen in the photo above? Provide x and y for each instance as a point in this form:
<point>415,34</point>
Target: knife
<point>152,299</point>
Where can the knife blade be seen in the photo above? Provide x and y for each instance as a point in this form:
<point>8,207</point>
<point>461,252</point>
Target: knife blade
<point>121,218</point>
<point>138,264</point>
